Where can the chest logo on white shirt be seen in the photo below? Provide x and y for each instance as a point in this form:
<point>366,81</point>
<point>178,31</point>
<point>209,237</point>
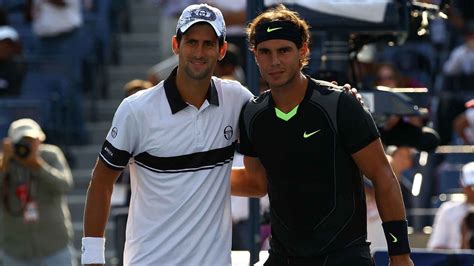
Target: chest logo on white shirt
<point>228,132</point>
<point>114,132</point>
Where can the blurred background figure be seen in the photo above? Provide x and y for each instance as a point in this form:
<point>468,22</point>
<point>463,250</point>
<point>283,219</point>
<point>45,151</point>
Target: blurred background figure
<point>463,124</point>
<point>450,220</point>
<point>404,130</point>
<point>57,23</point>
<point>461,59</point>
<point>12,65</point>
<point>230,67</point>
<point>162,70</point>
<point>135,86</point>
<point>389,76</point>
<point>34,181</point>
<point>401,159</point>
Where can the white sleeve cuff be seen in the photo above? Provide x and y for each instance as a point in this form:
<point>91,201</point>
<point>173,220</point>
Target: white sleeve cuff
<point>93,250</point>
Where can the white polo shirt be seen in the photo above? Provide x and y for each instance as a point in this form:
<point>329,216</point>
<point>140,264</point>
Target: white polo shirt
<point>180,205</point>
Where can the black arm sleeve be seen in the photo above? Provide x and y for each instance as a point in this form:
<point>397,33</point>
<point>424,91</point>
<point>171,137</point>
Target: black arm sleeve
<point>245,147</point>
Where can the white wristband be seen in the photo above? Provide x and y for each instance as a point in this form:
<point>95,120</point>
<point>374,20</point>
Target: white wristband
<point>93,250</point>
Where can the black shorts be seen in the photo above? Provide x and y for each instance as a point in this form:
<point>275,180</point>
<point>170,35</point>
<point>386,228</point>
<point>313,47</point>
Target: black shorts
<point>354,256</point>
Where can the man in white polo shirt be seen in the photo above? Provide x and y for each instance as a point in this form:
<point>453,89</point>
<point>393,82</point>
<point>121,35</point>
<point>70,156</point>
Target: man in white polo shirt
<point>180,137</point>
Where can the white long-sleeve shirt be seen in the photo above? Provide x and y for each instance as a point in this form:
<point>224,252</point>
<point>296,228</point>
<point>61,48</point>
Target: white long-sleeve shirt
<point>460,61</point>
<point>447,225</point>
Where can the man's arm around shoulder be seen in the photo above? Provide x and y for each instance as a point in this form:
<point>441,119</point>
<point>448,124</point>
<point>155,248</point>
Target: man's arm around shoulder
<point>250,180</point>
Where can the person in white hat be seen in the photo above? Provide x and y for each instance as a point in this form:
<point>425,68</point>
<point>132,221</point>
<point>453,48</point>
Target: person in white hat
<point>449,226</point>
<point>12,64</point>
<point>34,179</point>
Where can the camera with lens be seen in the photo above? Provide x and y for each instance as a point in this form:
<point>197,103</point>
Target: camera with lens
<point>22,148</point>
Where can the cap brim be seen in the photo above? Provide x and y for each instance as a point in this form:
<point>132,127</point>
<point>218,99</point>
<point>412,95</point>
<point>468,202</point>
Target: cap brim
<point>31,133</point>
<point>185,27</point>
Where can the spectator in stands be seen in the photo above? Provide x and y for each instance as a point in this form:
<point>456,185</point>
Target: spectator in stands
<point>56,23</point>
<point>135,86</point>
<point>464,124</point>
<point>388,75</point>
<point>458,81</point>
<point>450,217</point>
<point>401,159</point>
<point>34,180</point>
<point>162,70</point>
<point>404,130</point>
<point>230,66</point>
<point>12,66</point>
<point>461,59</point>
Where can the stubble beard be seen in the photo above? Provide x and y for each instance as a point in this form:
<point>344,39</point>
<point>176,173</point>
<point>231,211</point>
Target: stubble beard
<point>283,83</point>
<point>197,75</point>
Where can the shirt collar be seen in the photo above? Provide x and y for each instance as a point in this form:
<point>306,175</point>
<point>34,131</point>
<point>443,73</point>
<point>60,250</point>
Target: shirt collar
<point>175,100</point>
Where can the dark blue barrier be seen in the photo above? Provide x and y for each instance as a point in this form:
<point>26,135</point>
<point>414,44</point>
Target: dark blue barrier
<point>427,257</point>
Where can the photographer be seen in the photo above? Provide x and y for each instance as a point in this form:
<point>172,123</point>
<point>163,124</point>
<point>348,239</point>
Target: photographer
<point>450,227</point>
<point>34,178</point>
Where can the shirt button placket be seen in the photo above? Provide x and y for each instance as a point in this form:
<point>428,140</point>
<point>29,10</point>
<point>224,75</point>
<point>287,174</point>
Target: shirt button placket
<point>199,130</point>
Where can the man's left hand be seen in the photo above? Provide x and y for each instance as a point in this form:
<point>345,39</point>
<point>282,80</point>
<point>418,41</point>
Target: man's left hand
<point>353,91</point>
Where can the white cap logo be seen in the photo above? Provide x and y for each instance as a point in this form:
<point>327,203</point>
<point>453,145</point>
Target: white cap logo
<point>203,13</point>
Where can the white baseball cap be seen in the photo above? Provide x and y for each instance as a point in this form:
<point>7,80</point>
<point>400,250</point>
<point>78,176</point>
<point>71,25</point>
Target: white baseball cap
<point>7,32</point>
<point>25,127</point>
<point>202,13</point>
<point>467,177</point>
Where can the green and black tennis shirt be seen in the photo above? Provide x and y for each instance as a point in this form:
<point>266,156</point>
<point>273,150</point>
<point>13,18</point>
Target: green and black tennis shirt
<point>316,190</point>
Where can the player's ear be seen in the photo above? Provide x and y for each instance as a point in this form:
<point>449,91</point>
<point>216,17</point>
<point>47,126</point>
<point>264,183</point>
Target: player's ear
<point>222,50</point>
<point>175,45</point>
<point>304,50</point>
